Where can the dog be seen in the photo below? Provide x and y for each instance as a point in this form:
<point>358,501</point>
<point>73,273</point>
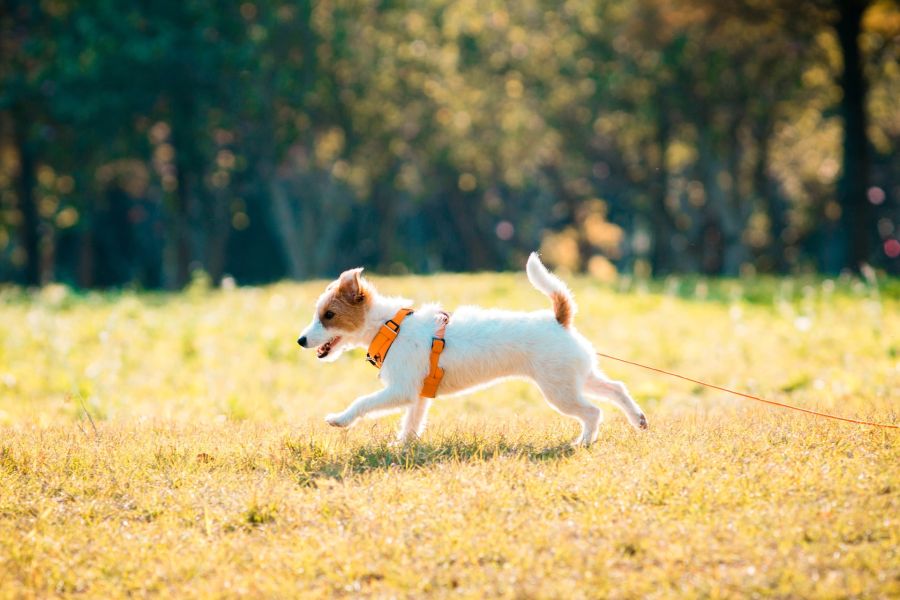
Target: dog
<point>482,347</point>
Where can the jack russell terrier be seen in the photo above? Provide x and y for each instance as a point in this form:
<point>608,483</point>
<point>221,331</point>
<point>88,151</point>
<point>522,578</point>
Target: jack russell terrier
<point>427,353</point>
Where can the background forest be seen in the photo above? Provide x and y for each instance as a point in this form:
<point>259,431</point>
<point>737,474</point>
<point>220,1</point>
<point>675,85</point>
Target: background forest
<point>143,141</point>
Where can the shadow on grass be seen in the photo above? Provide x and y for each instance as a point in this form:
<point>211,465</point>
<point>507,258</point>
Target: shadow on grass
<point>311,460</point>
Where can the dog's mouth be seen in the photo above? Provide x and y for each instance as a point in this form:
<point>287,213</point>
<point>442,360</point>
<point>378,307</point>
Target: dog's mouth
<point>326,348</point>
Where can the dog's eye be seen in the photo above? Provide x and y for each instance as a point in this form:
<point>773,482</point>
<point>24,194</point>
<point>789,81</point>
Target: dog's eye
<point>329,314</point>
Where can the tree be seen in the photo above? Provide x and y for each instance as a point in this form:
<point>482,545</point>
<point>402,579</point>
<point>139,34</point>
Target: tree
<point>856,211</point>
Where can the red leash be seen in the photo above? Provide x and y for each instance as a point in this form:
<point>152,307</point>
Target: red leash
<point>758,399</point>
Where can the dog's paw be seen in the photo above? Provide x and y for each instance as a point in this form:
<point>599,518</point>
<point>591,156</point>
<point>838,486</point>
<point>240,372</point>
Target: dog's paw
<point>642,422</point>
<point>338,420</point>
<point>403,441</point>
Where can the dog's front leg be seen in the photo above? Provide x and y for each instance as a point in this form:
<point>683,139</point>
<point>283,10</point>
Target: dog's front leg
<point>414,421</point>
<point>381,401</point>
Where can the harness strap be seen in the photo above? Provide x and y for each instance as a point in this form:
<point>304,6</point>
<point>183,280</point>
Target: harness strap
<point>435,373</point>
<point>385,337</point>
<point>379,347</point>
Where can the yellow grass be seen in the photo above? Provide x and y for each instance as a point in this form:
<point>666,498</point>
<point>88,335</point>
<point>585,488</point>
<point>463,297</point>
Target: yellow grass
<point>210,472</point>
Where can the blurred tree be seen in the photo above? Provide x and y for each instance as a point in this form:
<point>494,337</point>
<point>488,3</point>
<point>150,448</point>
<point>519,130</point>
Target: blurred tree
<point>26,49</point>
<point>271,137</point>
<point>856,215</point>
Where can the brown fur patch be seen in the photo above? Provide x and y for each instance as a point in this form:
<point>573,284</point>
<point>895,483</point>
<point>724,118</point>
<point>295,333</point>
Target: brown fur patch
<point>562,308</point>
<point>349,301</point>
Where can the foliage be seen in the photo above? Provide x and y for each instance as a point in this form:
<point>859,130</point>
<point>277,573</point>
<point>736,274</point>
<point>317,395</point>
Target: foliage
<point>210,471</point>
<point>140,141</point>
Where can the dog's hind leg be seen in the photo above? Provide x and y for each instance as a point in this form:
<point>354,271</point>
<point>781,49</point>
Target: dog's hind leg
<point>566,398</point>
<point>382,401</point>
<point>597,384</point>
<point>414,420</point>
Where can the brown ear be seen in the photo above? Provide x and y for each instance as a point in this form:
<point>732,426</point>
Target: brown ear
<point>352,286</point>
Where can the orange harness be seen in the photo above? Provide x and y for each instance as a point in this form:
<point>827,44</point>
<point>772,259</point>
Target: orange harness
<point>379,347</point>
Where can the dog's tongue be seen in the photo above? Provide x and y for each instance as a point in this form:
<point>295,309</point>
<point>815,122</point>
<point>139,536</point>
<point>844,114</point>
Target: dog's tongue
<point>325,348</point>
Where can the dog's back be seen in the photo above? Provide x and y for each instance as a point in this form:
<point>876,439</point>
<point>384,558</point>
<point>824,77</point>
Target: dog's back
<point>484,345</point>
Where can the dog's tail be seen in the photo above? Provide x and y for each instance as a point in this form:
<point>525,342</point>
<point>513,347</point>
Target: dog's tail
<point>551,285</point>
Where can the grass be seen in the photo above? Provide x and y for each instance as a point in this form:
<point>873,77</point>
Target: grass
<point>205,468</point>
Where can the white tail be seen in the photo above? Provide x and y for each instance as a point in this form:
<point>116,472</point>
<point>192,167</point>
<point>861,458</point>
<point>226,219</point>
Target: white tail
<point>551,285</point>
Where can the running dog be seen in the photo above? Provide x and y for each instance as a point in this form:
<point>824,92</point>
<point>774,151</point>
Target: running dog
<point>426,352</point>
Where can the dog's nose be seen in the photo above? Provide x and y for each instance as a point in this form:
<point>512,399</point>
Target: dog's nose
<point>302,341</point>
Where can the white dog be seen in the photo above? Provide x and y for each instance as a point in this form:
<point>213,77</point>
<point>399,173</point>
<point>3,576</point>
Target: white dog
<point>482,346</point>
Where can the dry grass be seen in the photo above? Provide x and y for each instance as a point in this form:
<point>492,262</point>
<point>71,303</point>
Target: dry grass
<point>210,472</point>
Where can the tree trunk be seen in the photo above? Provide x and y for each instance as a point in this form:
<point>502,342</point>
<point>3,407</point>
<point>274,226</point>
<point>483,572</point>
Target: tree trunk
<point>30,227</point>
<point>662,258</point>
<point>287,228</point>
<point>856,214</point>
<point>182,225</point>
<point>219,231</point>
<point>384,200</point>
<point>474,246</point>
<point>735,212</point>
<point>185,175</point>
<point>86,258</point>
<point>189,173</point>
<point>774,204</point>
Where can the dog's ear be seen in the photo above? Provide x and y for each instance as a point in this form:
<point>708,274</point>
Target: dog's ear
<point>352,286</point>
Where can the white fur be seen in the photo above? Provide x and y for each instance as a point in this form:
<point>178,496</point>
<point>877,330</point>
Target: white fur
<point>545,281</point>
<point>482,347</point>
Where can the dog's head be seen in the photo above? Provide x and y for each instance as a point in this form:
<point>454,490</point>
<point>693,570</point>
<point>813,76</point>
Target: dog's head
<point>340,315</point>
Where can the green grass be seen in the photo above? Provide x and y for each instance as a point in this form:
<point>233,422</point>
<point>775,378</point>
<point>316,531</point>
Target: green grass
<point>204,468</point>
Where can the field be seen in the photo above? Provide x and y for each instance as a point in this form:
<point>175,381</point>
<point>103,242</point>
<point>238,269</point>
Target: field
<point>173,445</point>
